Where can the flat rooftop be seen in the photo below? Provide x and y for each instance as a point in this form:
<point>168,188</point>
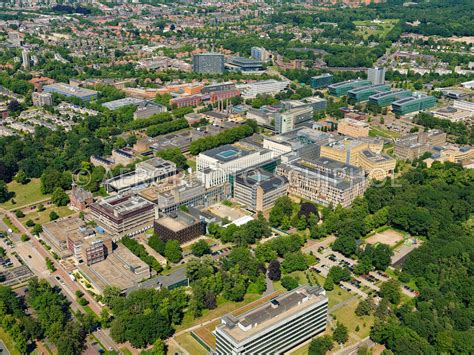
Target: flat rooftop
<point>273,312</point>
<point>113,105</point>
<point>70,90</point>
<point>226,153</point>
<point>177,222</point>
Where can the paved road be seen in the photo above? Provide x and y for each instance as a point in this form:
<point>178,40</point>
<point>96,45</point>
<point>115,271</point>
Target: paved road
<point>37,252</point>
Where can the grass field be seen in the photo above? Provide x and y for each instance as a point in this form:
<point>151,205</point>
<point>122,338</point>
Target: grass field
<point>24,194</point>
<point>378,29</point>
<point>190,344</point>
<point>346,315</point>
<point>43,216</point>
<point>7,340</point>
<point>379,132</point>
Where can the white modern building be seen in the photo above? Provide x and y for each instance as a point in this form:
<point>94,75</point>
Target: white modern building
<point>276,326</point>
<point>376,76</point>
<point>289,120</point>
<point>215,166</point>
<point>269,87</point>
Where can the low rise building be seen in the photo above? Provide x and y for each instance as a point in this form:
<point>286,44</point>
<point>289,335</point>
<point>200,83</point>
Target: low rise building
<point>413,104</point>
<point>80,199</point>
<point>414,145</point>
<point>244,65</point>
<point>321,81</point>
<point>353,128</point>
<point>145,173</point>
<point>342,88</point>
<point>122,215</point>
<point>269,87</point>
<point>363,93</point>
<point>258,189</point>
<point>42,99</point>
<point>275,327</point>
<point>186,101</point>
<point>386,98</point>
<point>88,246</point>
<point>71,91</point>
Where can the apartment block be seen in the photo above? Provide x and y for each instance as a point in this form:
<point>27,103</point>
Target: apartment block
<point>276,326</point>
<point>42,99</point>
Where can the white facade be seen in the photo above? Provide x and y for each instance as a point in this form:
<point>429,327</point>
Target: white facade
<point>213,171</point>
<point>376,76</point>
<point>270,87</point>
<point>463,105</point>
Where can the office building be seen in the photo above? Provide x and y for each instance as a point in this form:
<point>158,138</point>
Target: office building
<point>301,142</point>
<point>414,145</point>
<point>71,91</point>
<point>342,88</point>
<point>224,95</point>
<point>104,273</point>
<point>363,93</point>
<point>324,181</point>
<point>269,87</point>
<point>145,173</point>
<point>180,226</point>
<point>26,59</point>
<point>186,101</point>
<point>317,103</point>
<point>264,116</point>
<point>364,153</point>
<point>274,327</point>
<point>89,247</point>
<point>376,76</point>
<point>244,65</point>
<point>321,81</point>
<point>259,189</point>
<point>261,54</point>
<point>147,109</point>
<point>122,215</point>
<point>386,98</point>
<point>219,165</point>
<point>353,128</point>
<point>55,234</point>
<point>212,63</point>
<point>190,192</point>
<point>464,105</point>
<point>42,99</point>
<point>289,120</point>
<point>413,104</point>
<point>218,87</point>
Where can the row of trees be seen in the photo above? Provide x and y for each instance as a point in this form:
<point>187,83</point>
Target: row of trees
<point>226,137</point>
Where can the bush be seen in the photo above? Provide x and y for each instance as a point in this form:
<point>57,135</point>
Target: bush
<point>30,223</point>
<point>19,214</point>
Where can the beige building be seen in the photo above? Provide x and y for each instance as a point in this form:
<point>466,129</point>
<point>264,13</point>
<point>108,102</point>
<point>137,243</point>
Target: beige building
<point>353,128</point>
<point>364,153</point>
<point>324,181</point>
<point>413,145</point>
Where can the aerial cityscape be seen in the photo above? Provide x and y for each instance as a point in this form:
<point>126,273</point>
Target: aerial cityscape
<point>236,177</point>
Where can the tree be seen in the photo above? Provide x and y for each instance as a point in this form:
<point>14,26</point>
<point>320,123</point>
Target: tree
<point>345,245</point>
<point>329,284</point>
<point>382,256</point>
<point>173,251</point>
<point>339,274</point>
<point>274,272</point>
<point>4,194</point>
<point>19,214</point>
<point>340,334</point>
<point>390,290</point>
<point>365,307</point>
<point>289,282</point>
<point>37,229</point>
<point>320,345</point>
<point>22,178</point>
<point>59,197</point>
<point>200,248</point>
<point>294,262</point>
<point>53,216</point>
<point>30,223</point>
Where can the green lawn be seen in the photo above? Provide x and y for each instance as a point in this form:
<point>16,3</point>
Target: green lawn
<point>24,194</point>
<point>379,29</point>
<point>191,163</point>
<point>379,132</point>
<point>43,216</point>
<point>7,340</point>
<point>190,344</point>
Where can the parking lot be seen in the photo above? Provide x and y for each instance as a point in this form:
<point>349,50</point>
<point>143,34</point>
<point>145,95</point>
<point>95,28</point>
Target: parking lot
<point>363,285</point>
